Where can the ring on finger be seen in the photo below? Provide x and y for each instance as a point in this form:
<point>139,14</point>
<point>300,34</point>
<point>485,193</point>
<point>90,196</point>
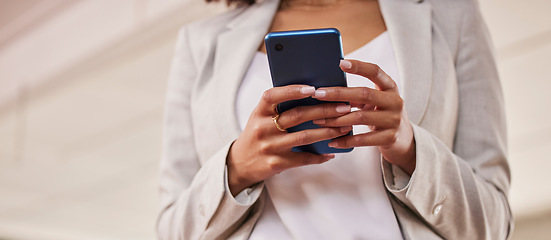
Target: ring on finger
<point>275,118</point>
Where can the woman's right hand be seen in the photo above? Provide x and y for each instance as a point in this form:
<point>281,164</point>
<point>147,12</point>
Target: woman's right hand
<point>262,150</point>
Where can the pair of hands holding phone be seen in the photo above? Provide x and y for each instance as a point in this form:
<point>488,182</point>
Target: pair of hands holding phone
<point>263,151</point>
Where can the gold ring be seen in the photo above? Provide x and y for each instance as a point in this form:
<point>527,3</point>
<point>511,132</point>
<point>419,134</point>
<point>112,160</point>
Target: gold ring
<point>275,118</point>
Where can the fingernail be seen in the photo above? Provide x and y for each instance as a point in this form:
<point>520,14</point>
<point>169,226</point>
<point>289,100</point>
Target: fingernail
<point>346,129</point>
<point>343,108</point>
<point>307,90</point>
<point>345,64</point>
<point>319,121</point>
<point>333,144</point>
<point>320,93</point>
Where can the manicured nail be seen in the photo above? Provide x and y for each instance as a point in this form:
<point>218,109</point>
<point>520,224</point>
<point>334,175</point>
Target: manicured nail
<point>307,90</point>
<point>345,64</point>
<point>343,108</point>
<point>346,129</point>
<point>319,121</point>
<point>332,144</point>
<point>320,93</point>
<point>329,156</point>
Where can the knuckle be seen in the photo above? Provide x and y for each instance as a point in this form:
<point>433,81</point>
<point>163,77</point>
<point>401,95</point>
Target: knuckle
<point>302,137</point>
<point>391,138</point>
<point>326,111</point>
<point>274,164</point>
<point>295,115</point>
<point>264,148</point>
<point>361,117</point>
<point>365,94</point>
<point>380,72</point>
<point>356,142</point>
<point>395,120</point>
<point>290,91</point>
<point>267,96</point>
<point>330,132</point>
<point>400,104</point>
<point>336,93</point>
<point>347,143</point>
<point>258,131</point>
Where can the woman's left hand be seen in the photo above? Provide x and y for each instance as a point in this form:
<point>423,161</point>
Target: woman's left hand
<point>381,109</point>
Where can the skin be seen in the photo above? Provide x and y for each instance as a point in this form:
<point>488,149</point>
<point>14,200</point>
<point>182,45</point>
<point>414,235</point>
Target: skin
<point>358,22</point>
<point>262,151</point>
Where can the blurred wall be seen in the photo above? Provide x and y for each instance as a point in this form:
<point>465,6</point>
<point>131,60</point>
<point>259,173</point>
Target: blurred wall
<point>81,98</point>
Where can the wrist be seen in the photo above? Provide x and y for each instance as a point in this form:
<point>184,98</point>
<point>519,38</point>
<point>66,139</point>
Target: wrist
<point>236,183</point>
<point>408,167</point>
<point>405,159</point>
<point>409,160</point>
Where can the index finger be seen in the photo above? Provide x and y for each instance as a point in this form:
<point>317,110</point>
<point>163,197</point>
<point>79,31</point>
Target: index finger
<point>274,96</point>
<point>371,71</point>
<point>364,95</point>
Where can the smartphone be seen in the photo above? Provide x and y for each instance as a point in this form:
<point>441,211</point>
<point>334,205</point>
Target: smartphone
<point>308,57</point>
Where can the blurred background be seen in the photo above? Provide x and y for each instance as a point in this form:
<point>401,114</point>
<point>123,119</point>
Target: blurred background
<point>81,99</point>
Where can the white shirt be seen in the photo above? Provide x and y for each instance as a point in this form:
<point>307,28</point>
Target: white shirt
<point>341,199</point>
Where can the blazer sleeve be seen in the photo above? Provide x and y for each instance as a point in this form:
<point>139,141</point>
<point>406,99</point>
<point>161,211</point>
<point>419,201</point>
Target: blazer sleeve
<point>462,192</point>
<point>195,203</point>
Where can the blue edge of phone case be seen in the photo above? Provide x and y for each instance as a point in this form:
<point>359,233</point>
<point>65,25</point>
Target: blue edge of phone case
<point>308,57</point>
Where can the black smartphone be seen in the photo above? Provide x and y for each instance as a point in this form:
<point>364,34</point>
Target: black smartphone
<point>308,57</point>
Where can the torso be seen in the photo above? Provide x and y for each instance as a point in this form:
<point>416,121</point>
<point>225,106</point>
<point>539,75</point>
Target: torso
<point>342,199</point>
<point>359,21</point>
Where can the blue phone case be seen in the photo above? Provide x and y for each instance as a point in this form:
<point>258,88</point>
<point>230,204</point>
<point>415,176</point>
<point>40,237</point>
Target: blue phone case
<point>308,57</point>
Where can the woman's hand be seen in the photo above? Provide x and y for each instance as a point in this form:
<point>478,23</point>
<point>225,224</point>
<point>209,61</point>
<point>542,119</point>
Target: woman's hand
<point>263,151</point>
<point>382,109</point>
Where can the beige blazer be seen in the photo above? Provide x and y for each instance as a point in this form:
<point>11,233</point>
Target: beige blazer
<point>453,98</point>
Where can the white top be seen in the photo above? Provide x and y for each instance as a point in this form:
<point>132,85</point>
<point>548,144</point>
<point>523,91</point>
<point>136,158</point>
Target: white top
<point>344,198</point>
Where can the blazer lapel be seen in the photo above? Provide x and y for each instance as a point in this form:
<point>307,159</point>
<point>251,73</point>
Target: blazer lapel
<point>409,25</point>
<point>235,49</point>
